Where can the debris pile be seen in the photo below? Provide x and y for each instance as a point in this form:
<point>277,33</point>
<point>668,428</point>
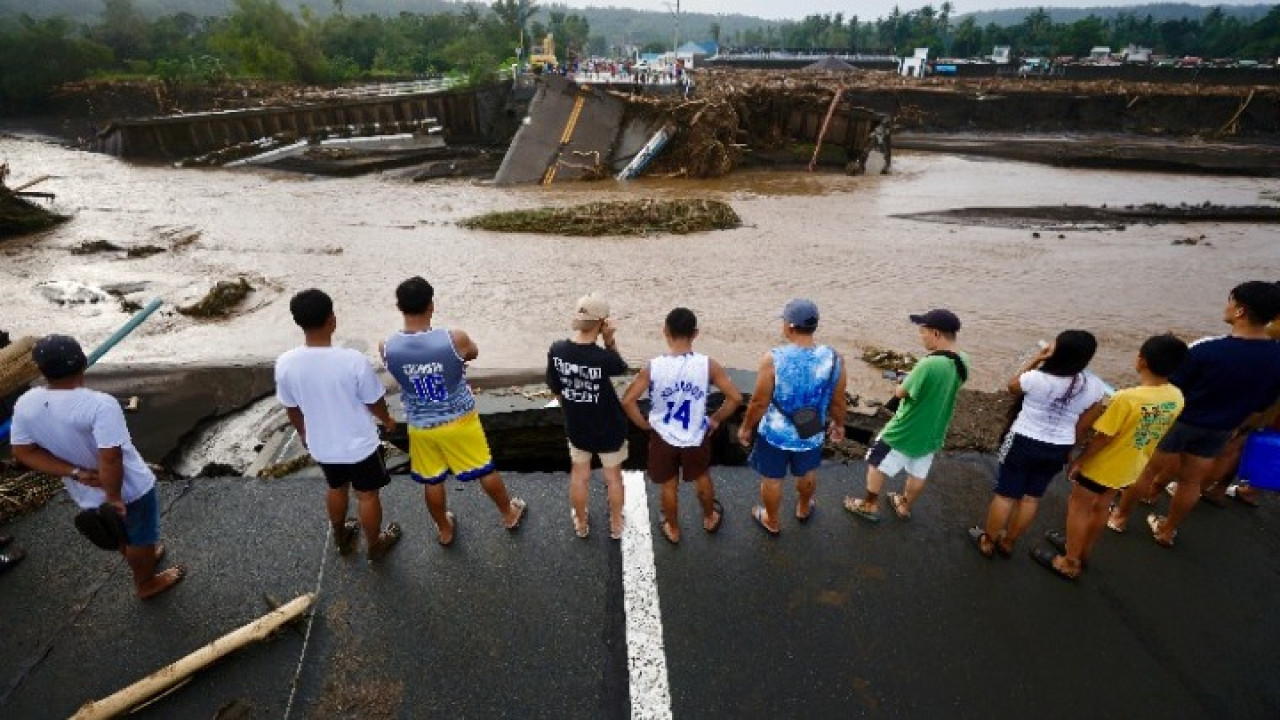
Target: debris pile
<point>23,491</point>
<point>19,216</point>
<point>631,217</point>
<point>882,359</point>
<point>220,301</point>
<point>736,113</point>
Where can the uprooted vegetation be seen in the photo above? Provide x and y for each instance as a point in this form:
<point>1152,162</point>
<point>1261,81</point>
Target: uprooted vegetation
<point>629,217</point>
<point>221,300</point>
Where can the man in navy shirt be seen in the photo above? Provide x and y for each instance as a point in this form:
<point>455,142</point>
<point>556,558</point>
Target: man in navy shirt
<point>1224,380</point>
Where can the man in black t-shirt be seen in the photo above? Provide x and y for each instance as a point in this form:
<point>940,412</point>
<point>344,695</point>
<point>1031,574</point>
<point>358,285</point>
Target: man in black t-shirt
<point>579,372</point>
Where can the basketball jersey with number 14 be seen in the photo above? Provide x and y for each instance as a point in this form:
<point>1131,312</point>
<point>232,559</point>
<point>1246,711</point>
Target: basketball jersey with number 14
<point>678,387</point>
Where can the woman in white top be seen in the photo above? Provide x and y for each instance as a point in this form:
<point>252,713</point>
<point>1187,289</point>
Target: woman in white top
<point>1056,394</point>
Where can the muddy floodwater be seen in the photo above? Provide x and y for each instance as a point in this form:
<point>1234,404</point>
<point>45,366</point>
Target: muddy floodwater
<point>826,236</point>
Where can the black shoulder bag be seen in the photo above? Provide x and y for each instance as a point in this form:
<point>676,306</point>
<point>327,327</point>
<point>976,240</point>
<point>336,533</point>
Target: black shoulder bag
<point>807,420</point>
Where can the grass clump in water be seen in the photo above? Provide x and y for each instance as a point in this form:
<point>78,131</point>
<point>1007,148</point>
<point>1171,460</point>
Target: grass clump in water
<point>627,217</point>
<point>221,300</point>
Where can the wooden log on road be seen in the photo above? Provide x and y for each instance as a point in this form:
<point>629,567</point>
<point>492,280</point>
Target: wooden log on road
<point>166,678</point>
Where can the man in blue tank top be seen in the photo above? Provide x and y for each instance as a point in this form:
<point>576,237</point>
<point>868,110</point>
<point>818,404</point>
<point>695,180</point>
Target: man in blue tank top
<point>445,435</point>
<point>800,375</point>
<point>1225,380</point>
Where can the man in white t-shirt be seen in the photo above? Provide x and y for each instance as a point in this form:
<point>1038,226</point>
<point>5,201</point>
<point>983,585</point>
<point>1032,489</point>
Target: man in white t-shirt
<point>332,397</point>
<point>67,430</point>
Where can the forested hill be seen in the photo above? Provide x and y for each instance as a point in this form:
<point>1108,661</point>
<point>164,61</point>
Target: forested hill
<point>622,24</point>
<point>1159,13</point>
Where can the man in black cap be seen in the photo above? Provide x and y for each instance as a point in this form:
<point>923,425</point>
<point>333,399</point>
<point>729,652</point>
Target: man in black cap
<point>67,430</point>
<point>919,427</point>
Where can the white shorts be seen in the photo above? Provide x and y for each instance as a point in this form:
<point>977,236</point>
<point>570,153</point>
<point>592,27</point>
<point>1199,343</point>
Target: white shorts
<point>891,462</point>
<point>607,459</point>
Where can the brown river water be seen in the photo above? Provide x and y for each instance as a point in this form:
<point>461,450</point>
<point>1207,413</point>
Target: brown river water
<point>826,236</point>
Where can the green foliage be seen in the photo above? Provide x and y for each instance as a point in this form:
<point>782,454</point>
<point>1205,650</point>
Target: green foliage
<point>39,55</point>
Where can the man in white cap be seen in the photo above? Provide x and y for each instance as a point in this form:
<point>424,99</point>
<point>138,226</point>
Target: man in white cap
<point>798,401</point>
<point>919,427</point>
<point>579,372</point>
<point>69,431</point>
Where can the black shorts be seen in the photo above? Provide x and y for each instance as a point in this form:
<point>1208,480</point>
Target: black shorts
<point>1028,466</point>
<point>1092,486</point>
<point>666,460</point>
<point>367,475</point>
<point>1192,440</point>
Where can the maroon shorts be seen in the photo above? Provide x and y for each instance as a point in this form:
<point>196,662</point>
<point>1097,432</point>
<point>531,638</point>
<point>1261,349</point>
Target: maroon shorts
<point>666,460</point>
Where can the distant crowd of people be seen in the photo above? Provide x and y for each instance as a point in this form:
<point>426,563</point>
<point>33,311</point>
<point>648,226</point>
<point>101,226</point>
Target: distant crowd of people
<point>1181,427</point>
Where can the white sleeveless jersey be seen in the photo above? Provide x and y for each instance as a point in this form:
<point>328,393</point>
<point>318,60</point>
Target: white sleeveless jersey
<point>678,387</point>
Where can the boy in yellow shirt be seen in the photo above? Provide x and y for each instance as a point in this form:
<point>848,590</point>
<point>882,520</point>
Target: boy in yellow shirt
<point>1125,435</point>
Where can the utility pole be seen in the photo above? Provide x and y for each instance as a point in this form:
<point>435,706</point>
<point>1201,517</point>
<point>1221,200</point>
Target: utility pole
<point>675,40</point>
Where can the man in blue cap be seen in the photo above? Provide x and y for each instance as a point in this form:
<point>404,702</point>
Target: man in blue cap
<point>919,428</point>
<point>69,431</point>
<point>798,401</point>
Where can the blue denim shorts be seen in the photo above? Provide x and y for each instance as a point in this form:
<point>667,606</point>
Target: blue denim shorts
<point>142,520</point>
<point>772,462</point>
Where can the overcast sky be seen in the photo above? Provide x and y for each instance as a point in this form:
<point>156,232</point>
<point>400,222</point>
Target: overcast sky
<point>864,9</point>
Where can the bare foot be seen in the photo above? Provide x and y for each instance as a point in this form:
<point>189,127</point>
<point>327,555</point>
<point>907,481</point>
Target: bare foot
<point>162,581</point>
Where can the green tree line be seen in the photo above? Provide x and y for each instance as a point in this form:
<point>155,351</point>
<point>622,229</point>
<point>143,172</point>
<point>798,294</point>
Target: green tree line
<point>265,39</point>
<point>262,39</point>
<point>1216,35</point>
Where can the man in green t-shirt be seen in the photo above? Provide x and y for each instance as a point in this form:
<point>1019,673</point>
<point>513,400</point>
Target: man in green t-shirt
<point>918,429</point>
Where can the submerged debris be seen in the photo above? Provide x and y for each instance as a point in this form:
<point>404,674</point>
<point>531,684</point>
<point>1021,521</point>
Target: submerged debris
<point>221,300</point>
<point>89,247</point>
<point>629,217</point>
<point>144,251</point>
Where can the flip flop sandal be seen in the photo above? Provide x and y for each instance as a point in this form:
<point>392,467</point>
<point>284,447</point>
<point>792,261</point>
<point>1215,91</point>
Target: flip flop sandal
<point>1045,559</point>
<point>386,540</point>
<point>898,501</point>
<point>977,535</point>
<point>858,507</point>
<point>1233,491</point>
<point>719,520</point>
<point>1115,527</point>
<point>1058,539</point>
<point>348,537</point>
<point>757,512</point>
<point>581,529</point>
<point>177,572</point>
<point>802,519</point>
<point>519,505</point>
<point>11,558</point>
<point>1001,549</point>
<point>666,532</point>
<point>453,523</point>
<point>1154,521</point>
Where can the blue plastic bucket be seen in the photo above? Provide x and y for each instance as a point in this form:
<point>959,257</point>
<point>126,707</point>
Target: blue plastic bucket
<point>1260,464</point>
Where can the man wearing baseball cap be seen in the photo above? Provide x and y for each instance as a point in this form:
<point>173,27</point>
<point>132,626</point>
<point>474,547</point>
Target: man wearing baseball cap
<point>918,429</point>
<point>579,372</point>
<point>799,377</point>
<point>67,430</point>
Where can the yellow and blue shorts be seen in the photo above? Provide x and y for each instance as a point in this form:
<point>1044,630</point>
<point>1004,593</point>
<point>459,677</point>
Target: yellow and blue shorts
<point>458,447</point>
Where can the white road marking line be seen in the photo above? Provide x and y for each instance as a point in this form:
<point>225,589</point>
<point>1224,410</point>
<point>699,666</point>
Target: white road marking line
<point>646,655</point>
